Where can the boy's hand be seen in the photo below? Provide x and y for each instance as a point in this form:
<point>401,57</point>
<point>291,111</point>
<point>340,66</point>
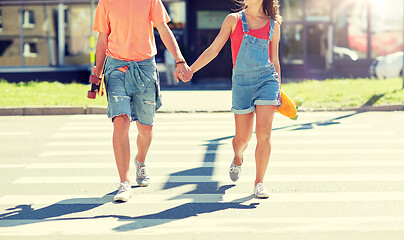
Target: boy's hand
<point>183,72</point>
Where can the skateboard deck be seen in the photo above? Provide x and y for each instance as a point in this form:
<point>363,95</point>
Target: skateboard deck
<point>97,86</point>
<point>289,108</point>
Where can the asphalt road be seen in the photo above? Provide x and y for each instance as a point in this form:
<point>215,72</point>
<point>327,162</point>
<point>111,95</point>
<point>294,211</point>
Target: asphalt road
<point>337,175</point>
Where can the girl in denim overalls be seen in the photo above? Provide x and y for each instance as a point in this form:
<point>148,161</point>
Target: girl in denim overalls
<point>254,33</point>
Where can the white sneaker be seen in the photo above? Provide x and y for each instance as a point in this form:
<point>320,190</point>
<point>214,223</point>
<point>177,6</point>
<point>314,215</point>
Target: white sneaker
<point>124,192</point>
<point>142,177</point>
<point>260,191</point>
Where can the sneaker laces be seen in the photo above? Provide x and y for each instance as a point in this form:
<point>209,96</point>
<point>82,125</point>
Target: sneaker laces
<point>235,169</point>
<point>123,187</point>
<point>260,188</point>
<point>142,171</point>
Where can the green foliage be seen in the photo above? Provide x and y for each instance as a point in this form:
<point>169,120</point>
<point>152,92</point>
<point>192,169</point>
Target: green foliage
<point>46,94</point>
<point>326,94</point>
<point>341,93</point>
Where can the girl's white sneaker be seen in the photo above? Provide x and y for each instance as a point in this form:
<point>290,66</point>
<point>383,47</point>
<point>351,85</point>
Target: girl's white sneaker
<point>234,171</point>
<point>124,192</point>
<point>260,191</point>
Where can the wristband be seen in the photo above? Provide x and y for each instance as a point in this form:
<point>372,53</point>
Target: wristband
<point>179,62</point>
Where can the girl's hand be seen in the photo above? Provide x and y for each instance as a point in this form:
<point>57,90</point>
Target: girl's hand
<point>183,72</point>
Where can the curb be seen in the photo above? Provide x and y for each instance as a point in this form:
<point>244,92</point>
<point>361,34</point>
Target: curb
<point>63,110</point>
<point>386,108</point>
<point>34,111</point>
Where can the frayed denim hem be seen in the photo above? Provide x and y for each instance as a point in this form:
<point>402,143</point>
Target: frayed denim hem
<point>117,115</point>
<point>146,124</point>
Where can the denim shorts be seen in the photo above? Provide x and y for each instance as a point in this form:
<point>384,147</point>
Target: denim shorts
<point>255,88</point>
<point>139,106</point>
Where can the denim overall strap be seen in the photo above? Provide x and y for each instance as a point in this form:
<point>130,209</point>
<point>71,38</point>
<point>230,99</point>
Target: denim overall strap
<point>271,30</point>
<point>244,21</point>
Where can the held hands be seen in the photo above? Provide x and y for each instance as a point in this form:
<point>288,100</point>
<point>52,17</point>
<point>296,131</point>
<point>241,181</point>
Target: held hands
<point>183,72</point>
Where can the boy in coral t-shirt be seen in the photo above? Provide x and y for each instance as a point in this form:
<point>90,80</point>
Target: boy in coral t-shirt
<point>127,46</point>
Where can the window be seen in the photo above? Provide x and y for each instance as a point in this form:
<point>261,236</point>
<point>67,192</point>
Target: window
<point>30,50</point>
<point>4,45</point>
<point>28,20</point>
<point>318,11</point>
<point>387,27</point>
<point>350,30</point>
<point>208,20</point>
<point>292,44</point>
<point>292,10</point>
<point>177,12</point>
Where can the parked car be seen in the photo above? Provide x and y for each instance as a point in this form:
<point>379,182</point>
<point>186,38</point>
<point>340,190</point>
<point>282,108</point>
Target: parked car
<point>341,53</point>
<point>387,66</point>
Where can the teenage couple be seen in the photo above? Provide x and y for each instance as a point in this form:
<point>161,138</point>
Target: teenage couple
<point>126,46</point>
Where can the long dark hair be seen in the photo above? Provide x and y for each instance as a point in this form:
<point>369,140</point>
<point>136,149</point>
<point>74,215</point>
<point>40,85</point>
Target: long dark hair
<point>270,7</point>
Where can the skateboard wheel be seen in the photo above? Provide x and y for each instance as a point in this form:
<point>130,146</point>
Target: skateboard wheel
<point>295,118</point>
<point>91,95</point>
<point>298,101</point>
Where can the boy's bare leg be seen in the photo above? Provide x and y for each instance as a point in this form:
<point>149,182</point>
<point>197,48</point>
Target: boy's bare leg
<point>144,139</point>
<point>121,146</point>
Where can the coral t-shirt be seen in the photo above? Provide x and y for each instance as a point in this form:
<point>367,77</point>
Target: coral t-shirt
<point>130,24</point>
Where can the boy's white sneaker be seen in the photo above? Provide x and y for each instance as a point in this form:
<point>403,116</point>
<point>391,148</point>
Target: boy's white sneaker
<point>260,191</point>
<point>124,192</point>
<point>142,178</point>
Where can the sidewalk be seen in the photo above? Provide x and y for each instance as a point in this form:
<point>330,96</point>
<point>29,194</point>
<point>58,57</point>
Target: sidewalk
<point>175,101</point>
<point>196,101</point>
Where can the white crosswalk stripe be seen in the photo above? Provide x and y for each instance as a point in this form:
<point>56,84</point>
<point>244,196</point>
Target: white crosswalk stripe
<point>187,165</point>
<point>14,133</point>
<point>207,198</point>
<point>203,179</point>
<point>190,189</point>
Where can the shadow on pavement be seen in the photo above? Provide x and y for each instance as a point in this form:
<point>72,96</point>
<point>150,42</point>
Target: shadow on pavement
<point>376,98</point>
<point>76,205</point>
<point>311,125</point>
<point>24,214</point>
<point>191,209</point>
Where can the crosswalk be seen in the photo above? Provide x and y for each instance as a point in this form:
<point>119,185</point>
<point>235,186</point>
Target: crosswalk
<point>331,176</point>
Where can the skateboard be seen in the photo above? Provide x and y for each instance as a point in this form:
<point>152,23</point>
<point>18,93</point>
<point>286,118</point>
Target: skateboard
<point>289,108</point>
<point>97,86</point>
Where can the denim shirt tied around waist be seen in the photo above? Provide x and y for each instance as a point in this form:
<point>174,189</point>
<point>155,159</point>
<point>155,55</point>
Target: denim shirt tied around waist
<point>138,75</point>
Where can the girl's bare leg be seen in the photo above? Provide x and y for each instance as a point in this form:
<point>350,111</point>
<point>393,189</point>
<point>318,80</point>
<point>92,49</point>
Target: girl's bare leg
<point>263,128</point>
<point>244,127</point>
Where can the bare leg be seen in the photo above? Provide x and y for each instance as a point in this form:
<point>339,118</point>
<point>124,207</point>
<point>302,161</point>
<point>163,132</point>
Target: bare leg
<point>263,128</point>
<point>244,126</point>
<point>121,145</point>
<point>144,139</point>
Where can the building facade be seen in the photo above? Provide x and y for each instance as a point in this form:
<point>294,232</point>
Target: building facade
<point>51,39</point>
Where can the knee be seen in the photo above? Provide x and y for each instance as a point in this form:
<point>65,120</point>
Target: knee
<point>145,130</point>
<point>263,133</point>
<point>121,123</point>
<point>242,140</point>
